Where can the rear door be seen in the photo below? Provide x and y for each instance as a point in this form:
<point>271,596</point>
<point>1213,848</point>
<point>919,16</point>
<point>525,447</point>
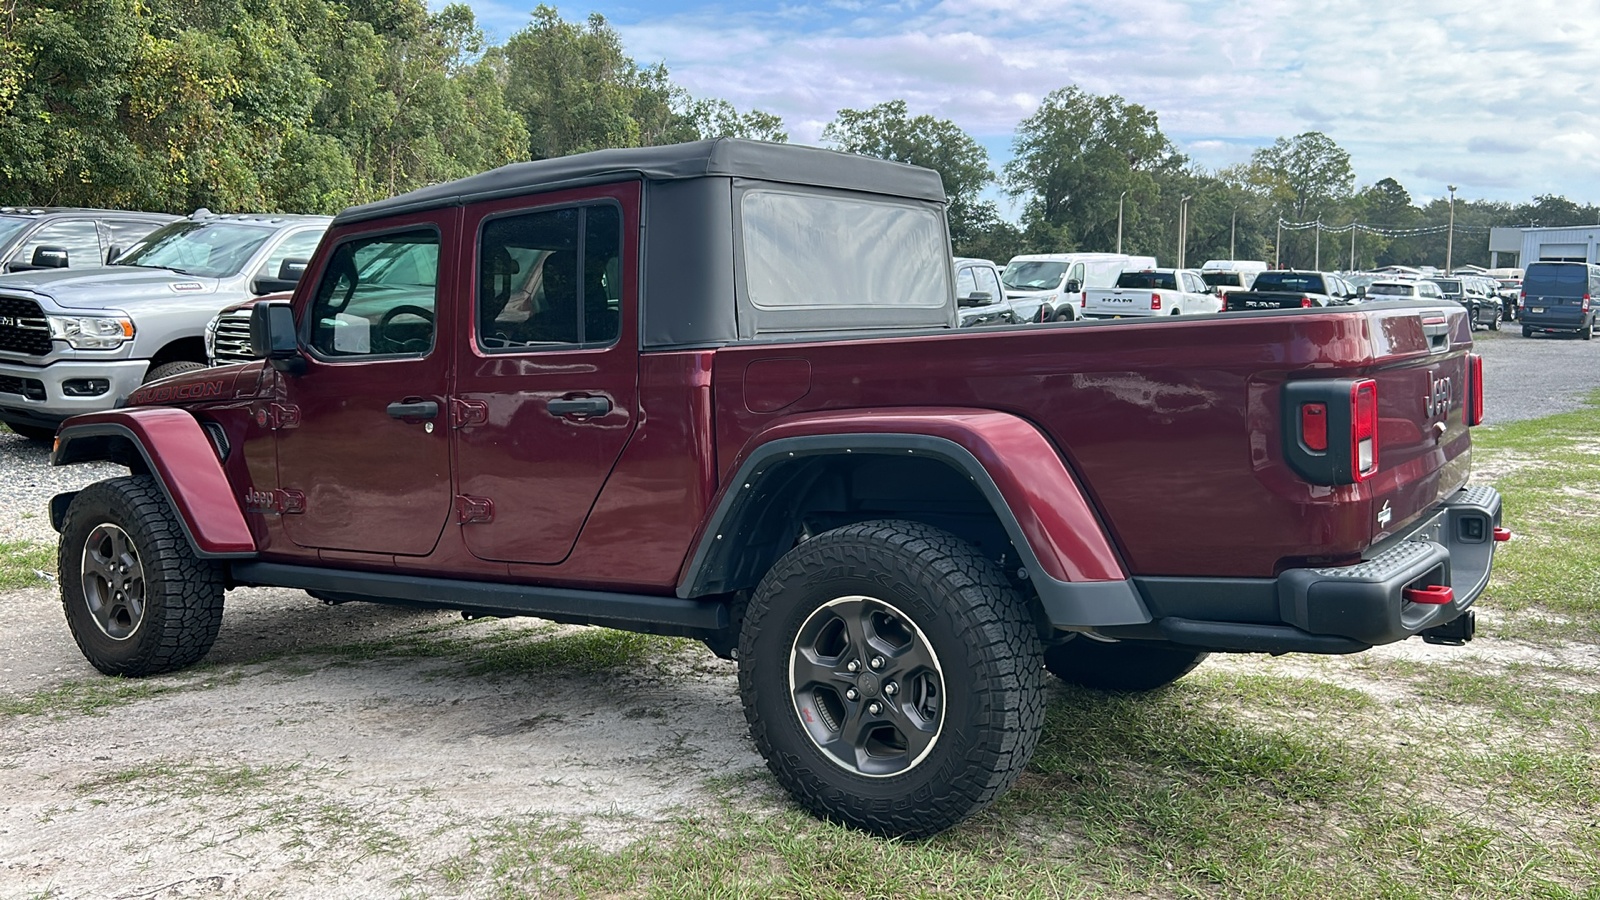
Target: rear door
<point>1556,294</point>
<point>547,384</point>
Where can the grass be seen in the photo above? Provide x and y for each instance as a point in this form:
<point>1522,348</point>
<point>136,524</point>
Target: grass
<point>21,561</point>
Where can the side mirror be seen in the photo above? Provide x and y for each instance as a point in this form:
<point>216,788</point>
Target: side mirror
<point>1073,286</point>
<point>47,257</point>
<point>272,337</point>
<point>288,276</point>
<point>1362,292</point>
<point>976,298</point>
<point>112,253</point>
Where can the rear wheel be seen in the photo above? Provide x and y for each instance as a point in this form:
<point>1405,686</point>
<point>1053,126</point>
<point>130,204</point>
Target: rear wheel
<point>1587,332</point>
<point>1065,314</point>
<point>1125,666</point>
<point>891,677</point>
<point>137,599</point>
<point>1526,331</point>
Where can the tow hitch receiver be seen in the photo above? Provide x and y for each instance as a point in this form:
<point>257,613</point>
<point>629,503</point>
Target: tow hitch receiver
<point>1455,632</point>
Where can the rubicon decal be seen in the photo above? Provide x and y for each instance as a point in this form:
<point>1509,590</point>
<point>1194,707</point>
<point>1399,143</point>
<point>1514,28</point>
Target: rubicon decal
<point>196,391</point>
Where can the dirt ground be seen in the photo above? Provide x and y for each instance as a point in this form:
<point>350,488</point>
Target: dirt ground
<point>273,773</point>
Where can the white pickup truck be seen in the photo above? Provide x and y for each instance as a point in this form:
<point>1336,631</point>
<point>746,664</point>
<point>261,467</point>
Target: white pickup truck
<point>1153,292</point>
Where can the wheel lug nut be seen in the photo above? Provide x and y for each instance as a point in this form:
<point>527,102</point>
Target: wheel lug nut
<point>891,688</point>
<point>854,665</point>
<point>877,662</point>
<point>852,694</point>
<point>875,707</point>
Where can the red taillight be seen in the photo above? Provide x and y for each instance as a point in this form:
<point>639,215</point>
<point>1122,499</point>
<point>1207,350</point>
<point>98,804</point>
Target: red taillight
<point>1314,426</point>
<point>1305,302</point>
<point>1472,404</point>
<point>1522,299</point>
<point>1585,302</point>
<point>1364,429</point>
<point>1155,301</point>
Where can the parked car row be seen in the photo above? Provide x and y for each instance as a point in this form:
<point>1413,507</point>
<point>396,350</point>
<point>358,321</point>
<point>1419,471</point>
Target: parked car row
<point>95,303</point>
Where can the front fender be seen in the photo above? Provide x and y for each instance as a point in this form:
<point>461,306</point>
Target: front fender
<point>1068,556</point>
<point>178,454</point>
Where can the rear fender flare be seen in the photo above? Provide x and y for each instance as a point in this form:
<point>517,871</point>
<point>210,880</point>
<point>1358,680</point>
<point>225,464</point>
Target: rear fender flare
<point>177,453</point>
<point>1068,556</point>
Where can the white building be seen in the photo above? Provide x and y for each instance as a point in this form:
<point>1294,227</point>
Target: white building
<point>1579,243</point>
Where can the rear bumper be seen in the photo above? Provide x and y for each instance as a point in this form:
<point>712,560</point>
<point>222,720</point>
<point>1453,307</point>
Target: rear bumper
<point>1341,609</point>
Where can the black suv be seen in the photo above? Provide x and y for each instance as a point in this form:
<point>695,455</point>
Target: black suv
<point>55,237</point>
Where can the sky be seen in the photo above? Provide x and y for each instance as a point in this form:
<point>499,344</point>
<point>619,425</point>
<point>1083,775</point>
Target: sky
<point>1501,99</point>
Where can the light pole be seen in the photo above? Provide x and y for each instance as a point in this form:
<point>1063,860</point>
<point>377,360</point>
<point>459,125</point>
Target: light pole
<point>1450,239</point>
<point>1233,232</point>
<point>1119,220</point>
<point>1183,227</point>
<point>1317,265</point>
<point>1277,246</point>
<point>1352,245</point>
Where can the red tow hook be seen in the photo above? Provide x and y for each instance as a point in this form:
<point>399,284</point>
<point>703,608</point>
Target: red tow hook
<point>1437,594</point>
<point>1502,534</point>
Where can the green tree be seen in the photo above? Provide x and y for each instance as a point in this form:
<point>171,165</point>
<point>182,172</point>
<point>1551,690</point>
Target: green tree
<point>888,131</point>
<point>1074,158</point>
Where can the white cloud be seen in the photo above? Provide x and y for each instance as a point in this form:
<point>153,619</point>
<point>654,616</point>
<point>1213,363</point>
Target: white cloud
<point>1499,98</point>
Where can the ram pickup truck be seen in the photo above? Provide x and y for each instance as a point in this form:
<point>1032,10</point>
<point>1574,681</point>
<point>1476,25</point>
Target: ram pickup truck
<point>718,390</point>
<point>82,339</point>
<point>1290,289</point>
<point>1152,292</point>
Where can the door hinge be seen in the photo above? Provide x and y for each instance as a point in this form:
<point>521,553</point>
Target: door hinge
<point>278,415</point>
<point>466,413</point>
<point>474,510</point>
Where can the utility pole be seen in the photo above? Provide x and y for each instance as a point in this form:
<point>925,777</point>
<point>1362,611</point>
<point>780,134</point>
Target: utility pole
<point>1317,265</point>
<point>1352,245</point>
<point>1450,239</point>
<point>1183,228</point>
<point>1119,220</point>
<point>1277,246</point>
<point>1233,232</point>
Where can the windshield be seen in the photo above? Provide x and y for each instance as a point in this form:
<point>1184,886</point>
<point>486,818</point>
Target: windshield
<point>214,249</point>
<point>1391,290</point>
<point>1556,280</point>
<point>1155,281</point>
<point>10,225</point>
<point>1036,275</point>
<point>1289,281</point>
<point>1222,279</point>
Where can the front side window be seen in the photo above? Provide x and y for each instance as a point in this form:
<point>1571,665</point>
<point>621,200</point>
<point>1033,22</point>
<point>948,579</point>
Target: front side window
<point>824,252</point>
<point>81,240</point>
<point>300,245</point>
<point>209,249</point>
<point>377,297</point>
<point>966,282</point>
<point>550,279</point>
<point>988,282</point>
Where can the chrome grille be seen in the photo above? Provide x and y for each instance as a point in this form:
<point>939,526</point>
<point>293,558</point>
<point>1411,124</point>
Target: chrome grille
<point>233,338</point>
<point>23,327</point>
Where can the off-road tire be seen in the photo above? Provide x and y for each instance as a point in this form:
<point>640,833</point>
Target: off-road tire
<point>1123,666</point>
<point>172,368</point>
<point>181,609</point>
<point>985,646</point>
<point>36,433</point>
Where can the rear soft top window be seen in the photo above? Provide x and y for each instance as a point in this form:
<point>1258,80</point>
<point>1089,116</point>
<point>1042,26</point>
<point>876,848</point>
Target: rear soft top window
<point>1556,280</point>
<point>1156,281</point>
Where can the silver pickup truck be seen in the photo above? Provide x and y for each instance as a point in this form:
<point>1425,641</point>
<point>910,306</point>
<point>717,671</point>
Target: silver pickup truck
<point>79,340</point>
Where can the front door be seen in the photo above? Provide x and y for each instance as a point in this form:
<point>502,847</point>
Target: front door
<point>547,383</point>
<point>363,433</point>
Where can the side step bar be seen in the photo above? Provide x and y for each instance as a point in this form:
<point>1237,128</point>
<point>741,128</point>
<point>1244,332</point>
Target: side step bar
<point>629,612</point>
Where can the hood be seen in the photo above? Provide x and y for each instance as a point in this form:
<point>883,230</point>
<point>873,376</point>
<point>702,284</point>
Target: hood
<point>108,286</point>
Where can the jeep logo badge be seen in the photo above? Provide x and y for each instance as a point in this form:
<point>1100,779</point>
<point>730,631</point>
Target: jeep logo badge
<point>1437,401</point>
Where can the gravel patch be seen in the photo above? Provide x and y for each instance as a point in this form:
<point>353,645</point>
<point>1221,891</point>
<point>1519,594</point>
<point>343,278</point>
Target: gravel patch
<point>28,481</point>
<point>1530,378</point>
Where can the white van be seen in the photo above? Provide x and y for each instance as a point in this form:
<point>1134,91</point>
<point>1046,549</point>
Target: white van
<point>1048,287</point>
<point>1228,275</point>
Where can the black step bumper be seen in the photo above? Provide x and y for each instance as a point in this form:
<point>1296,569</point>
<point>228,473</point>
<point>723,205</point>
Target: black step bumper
<point>1341,609</point>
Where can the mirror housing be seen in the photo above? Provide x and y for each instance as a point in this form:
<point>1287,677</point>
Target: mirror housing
<point>112,252</point>
<point>49,257</point>
<point>288,275</point>
<point>976,298</point>
<point>1073,286</point>
<point>272,337</point>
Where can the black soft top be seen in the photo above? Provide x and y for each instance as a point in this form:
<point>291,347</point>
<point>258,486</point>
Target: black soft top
<point>726,157</point>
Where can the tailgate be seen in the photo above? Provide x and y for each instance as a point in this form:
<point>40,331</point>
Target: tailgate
<point>1119,302</point>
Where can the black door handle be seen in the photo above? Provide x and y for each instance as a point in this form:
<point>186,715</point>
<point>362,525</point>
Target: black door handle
<point>422,409</point>
<point>579,406</point>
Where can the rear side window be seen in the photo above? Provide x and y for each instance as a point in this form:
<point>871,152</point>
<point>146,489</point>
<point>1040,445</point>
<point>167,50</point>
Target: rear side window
<point>1556,280</point>
<point>550,279</point>
<point>377,297</point>
<point>1160,281</point>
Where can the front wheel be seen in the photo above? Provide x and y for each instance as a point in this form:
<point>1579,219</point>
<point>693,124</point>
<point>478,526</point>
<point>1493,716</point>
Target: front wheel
<point>1065,314</point>
<point>137,599</point>
<point>890,675</point>
<point>1494,324</point>
<point>1124,666</point>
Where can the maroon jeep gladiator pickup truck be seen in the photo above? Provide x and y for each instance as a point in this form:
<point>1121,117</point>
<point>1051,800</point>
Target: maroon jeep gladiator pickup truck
<point>718,390</point>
